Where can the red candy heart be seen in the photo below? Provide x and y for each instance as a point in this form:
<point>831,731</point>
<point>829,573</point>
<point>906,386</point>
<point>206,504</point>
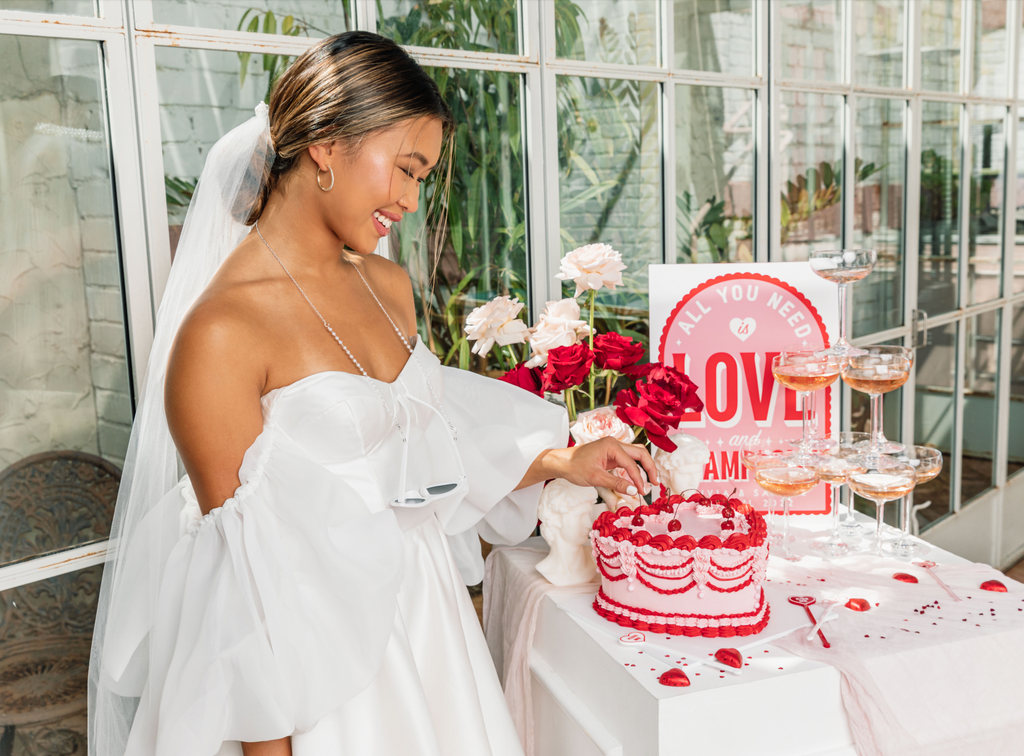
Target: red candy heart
<point>675,678</point>
<point>858,605</point>
<point>730,657</point>
<point>993,585</point>
<point>633,637</point>
<point>904,577</point>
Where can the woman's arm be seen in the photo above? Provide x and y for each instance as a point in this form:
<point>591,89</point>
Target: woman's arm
<point>212,400</point>
<point>590,465</point>
<point>282,747</point>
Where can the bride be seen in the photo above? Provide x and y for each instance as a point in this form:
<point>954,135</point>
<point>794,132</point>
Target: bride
<point>300,589</point>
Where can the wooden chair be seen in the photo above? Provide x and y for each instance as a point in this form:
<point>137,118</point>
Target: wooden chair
<point>50,502</point>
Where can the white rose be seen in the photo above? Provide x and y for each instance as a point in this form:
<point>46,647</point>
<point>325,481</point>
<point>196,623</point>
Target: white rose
<point>600,423</point>
<point>497,321</point>
<point>559,325</point>
<point>592,267</point>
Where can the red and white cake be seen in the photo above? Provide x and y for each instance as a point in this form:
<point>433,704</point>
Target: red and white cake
<point>683,567</point>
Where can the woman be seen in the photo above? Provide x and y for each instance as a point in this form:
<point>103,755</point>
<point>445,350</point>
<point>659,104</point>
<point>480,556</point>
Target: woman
<point>298,591</point>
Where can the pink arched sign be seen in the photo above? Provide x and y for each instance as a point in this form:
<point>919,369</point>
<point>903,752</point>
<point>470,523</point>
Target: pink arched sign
<point>723,331</point>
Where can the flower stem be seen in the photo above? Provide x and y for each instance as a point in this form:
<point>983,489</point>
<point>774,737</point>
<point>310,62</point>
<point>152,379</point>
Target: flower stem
<point>512,355</point>
<point>570,404</point>
<point>593,294</point>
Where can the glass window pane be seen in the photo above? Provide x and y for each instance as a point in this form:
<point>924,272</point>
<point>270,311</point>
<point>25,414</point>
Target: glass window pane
<point>65,403</point>
<point>458,24</point>
<point>1016,285</point>
<point>982,369</point>
<point>715,35</point>
<point>45,639</point>
<point>989,48</point>
<point>810,166</point>
<point>878,42</point>
<point>609,159</point>
<point>940,45</point>
<point>714,174</point>
<point>935,365</point>
<point>940,200</point>
<point>810,37</point>
<point>1015,459</point>
<point>486,237</point>
<point>985,240</point>
<point>62,7</point>
<point>305,18</point>
<point>202,97</point>
<point>608,31</point>
<point>878,213</point>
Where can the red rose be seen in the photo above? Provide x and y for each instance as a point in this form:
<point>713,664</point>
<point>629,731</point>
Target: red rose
<point>658,402</point>
<point>568,366</point>
<point>613,351</point>
<point>525,378</point>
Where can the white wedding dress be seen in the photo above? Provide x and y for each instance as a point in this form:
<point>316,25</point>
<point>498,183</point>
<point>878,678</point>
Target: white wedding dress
<point>307,606</point>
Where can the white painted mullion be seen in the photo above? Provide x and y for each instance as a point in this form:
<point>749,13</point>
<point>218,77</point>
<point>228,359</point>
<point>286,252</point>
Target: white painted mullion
<point>58,27</point>
<point>139,13</point>
<point>668,172</point>
<point>53,565</point>
<point>365,12</point>
<point>957,447</point>
<point>849,186</point>
<point>966,46</point>
<point>594,69</point>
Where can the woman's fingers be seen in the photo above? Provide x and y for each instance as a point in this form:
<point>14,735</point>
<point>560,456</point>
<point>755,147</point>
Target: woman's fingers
<point>621,457</point>
<point>641,455</point>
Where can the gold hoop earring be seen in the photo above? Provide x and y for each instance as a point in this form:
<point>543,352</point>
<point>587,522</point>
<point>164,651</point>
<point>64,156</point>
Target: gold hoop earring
<point>322,187</point>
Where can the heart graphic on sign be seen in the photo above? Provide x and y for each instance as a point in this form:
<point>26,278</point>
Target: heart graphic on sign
<point>742,328</point>
<point>631,638</point>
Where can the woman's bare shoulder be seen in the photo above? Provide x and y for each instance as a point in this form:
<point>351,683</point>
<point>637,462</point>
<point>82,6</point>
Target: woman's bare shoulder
<point>393,282</point>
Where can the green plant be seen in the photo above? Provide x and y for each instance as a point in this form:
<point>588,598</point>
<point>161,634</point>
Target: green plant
<point>273,64</point>
<point>178,190</point>
<point>704,230</point>
<point>819,188</point>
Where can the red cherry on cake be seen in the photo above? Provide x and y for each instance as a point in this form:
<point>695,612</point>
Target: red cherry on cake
<point>993,585</point>
<point>637,521</point>
<point>730,657</point>
<point>675,678</point>
<point>674,525</point>
<point>727,512</point>
<point>728,525</point>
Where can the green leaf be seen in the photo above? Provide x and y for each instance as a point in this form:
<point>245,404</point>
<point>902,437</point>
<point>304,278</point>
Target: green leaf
<point>718,236</point>
<point>827,174</point>
<point>245,16</point>
<point>582,164</point>
<point>269,23</point>
<point>473,201</point>
<point>254,25</point>
<point>286,25</point>
<point>455,227</point>
<point>269,61</point>
<point>243,70</point>
<point>586,194</point>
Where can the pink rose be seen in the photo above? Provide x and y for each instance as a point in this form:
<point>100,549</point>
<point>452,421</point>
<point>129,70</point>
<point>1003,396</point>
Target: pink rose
<point>600,423</point>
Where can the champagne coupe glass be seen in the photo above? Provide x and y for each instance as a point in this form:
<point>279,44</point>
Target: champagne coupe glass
<point>843,266</point>
<point>835,469</point>
<point>806,370</point>
<point>751,451</point>
<point>848,441</point>
<point>785,476</point>
<point>927,464</point>
<point>879,370</point>
<point>881,484</point>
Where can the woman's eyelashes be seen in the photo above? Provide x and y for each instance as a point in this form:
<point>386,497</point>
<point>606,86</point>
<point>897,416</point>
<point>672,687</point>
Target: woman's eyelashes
<point>409,173</point>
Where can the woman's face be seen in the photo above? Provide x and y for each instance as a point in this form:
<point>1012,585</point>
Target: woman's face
<point>378,182</point>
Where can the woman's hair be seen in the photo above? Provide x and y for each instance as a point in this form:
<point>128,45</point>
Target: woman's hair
<point>343,89</point>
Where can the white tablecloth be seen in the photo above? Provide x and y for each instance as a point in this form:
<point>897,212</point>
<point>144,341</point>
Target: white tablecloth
<point>920,673</point>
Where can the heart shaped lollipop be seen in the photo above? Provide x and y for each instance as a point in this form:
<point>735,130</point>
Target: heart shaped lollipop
<point>632,639</point>
<point>675,678</point>
<point>729,657</point>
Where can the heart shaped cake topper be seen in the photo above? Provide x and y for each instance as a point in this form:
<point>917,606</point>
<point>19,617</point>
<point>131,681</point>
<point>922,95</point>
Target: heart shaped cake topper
<point>675,678</point>
<point>632,639</point>
<point>742,328</point>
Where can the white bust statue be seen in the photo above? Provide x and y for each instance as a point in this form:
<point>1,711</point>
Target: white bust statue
<point>566,517</point>
<point>682,469</point>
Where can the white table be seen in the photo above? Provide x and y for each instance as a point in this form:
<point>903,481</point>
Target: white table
<point>586,702</point>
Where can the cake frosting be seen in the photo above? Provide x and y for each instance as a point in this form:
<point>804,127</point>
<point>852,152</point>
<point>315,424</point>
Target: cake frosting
<point>683,566</point>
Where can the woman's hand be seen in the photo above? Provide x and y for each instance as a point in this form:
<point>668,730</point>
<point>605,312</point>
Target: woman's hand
<point>591,465</point>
